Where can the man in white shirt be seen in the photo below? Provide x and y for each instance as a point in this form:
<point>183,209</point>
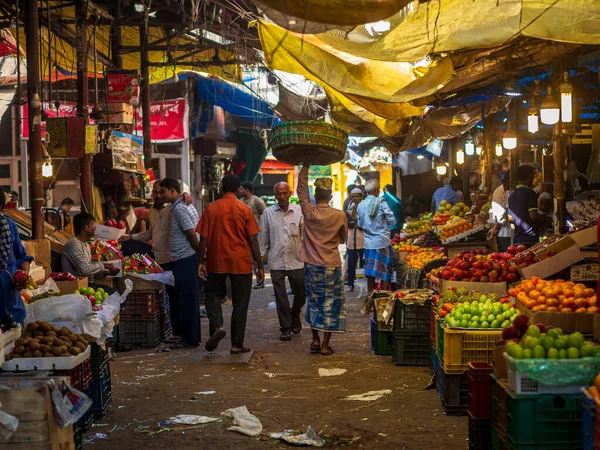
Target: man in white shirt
<point>280,235</point>
<point>499,216</point>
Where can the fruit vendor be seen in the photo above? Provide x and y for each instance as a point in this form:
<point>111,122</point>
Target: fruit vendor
<point>449,193</point>
<point>375,217</point>
<point>355,244</point>
<point>77,256</point>
<point>325,229</point>
<point>12,258</point>
<point>523,207</point>
<point>499,215</point>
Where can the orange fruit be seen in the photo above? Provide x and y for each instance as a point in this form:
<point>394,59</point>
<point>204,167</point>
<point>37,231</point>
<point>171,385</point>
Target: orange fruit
<point>597,382</point>
<point>592,301</point>
<point>531,304</point>
<point>580,293</point>
<point>551,308</point>
<point>542,307</point>
<point>536,308</point>
<point>581,310</point>
<point>592,309</point>
<point>589,292</point>
<point>567,309</point>
<point>580,286</point>
<point>594,392</point>
<point>569,293</point>
<point>552,302</point>
<point>580,303</point>
<point>534,294</point>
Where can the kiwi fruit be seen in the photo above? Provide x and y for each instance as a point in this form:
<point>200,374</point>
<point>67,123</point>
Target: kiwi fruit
<point>86,343</point>
<point>48,355</point>
<point>63,348</point>
<point>32,326</point>
<point>44,326</point>
<point>56,351</point>
<point>51,333</point>
<point>48,340</point>
<point>28,354</point>
<point>16,355</point>
<point>75,351</point>
<point>33,345</point>
<point>20,342</point>
<point>27,334</point>
<point>53,328</point>
<point>65,339</point>
<point>37,354</point>
<point>80,346</point>
<point>44,348</point>
<point>19,350</point>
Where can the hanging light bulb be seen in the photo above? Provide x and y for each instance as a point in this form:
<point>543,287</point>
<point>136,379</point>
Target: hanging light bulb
<point>479,150</point>
<point>533,119</point>
<point>566,100</point>
<point>550,111</point>
<point>509,140</point>
<point>469,147</point>
<point>47,169</point>
<point>441,168</point>
<point>460,157</point>
<point>498,150</point>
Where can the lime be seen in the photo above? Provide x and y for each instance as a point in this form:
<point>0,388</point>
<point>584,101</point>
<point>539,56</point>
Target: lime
<point>527,354</point>
<point>562,354</point>
<point>547,342</point>
<point>587,350</point>
<point>483,298</point>
<point>505,324</point>
<point>539,352</point>
<point>490,318</point>
<point>533,331</point>
<point>464,324</point>
<point>457,316</point>
<point>505,307</point>
<point>553,333</point>
<point>553,353</point>
<point>518,352</point>
<point>573,353</point>
<point>475,319</point>
<point>484,324</point>
<point>575,340</point>
<point>560,343</point>
<point>532,342</point>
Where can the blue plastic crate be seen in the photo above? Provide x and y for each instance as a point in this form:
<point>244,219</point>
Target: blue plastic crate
<point>101,393</point>
<point>589,421</point>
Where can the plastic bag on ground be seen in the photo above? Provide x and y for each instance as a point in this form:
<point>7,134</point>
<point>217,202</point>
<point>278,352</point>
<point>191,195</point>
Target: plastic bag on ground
<point>310,438</point>
<point>191,419</point>
<point>243,421</point>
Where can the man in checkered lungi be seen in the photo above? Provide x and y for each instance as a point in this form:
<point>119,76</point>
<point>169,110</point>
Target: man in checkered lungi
<point>375,217</point>
<point>325,229</point>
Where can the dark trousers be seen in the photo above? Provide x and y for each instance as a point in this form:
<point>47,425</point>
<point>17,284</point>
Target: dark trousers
<point>187,284</point>
<point>241,289</point>
<point>173,302</point>
<point>288,318</point>
<point>503,243</point>
<point>354,257</point>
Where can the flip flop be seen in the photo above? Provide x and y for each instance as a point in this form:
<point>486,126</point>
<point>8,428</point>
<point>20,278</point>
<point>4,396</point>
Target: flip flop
<point>214,340</point>
<point>315,348</point>
<point>328,352</point>
<point>242,350</point>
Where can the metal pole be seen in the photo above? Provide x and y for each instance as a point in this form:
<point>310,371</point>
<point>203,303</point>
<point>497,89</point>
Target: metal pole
<point>145,91</point>
<point>558,155</point>
<point>488,127</point>
<point>85,165</point>
<point>33,108</point>
<point>115,36</point>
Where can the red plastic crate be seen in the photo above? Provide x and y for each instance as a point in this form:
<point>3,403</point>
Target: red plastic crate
<point>86,373</point>
<point>142,305</point>
<point>480,390</point>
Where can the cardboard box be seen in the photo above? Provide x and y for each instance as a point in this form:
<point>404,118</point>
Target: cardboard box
<point>68,287</point>
<point>139,284</point>
<point>108,233</point>
<point>569,322</point>
<point>500,362</point>
<point>550,266</point>
<point>108,281</point>
<point>490,288</point>
<point>119,113</point>
<point>39,249</point>
<point>36,272</point>
<point>586,237</point>
<point>58,240</point>
<point>585,272</point>
<point>29,399</point>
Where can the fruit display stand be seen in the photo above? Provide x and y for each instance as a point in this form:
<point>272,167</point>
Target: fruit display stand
<point>55,363</point>
<point>498,288</point>
<point>29,399</point>
<point>461,236</point>
<point>566,253</point>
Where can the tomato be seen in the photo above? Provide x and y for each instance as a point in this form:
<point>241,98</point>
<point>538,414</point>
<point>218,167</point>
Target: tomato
<point>443,313</point>
<point>448,307</point>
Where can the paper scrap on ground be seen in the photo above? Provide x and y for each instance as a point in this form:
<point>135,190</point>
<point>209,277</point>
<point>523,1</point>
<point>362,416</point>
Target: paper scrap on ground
<point>310,438</point>
<point>191,419</point>
<point>369,396</point>
<point>243,421</point>
<point>331,372</point>
<point>205,393</point>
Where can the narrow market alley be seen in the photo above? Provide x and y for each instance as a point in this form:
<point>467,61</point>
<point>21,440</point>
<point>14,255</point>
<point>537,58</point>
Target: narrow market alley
<point>281,386</point>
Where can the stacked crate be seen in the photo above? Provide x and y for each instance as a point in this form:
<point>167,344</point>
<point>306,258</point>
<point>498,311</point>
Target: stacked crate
<point>140,322</point>
<point>381,339</point>
<point>480,406</point>
<point>412,329</point>
<point>101,387</point>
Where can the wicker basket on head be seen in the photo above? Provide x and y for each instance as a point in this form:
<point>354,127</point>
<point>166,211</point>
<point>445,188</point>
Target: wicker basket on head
<point>308,142</point>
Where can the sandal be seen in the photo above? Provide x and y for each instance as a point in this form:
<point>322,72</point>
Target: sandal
<point>242,350</point>
<point>328,352</point>
<point>315,348</point>
<point>213,341</point>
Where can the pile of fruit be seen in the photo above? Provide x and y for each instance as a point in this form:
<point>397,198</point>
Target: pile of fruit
<point>458,210</point>
<point>417,226</point>
<point>476,310</point>
<point>96,297</point>
<point>479,266</point>
<point>555,295</point>
<point>429,239</point>
<point>62,276</point>
<point>441,218</point>
<point>141,264</point>
<point>42,339</point>
<point>106,251</point>
<point>524,341</point>
<point>112,223</point>
<point>396,239</point>
<point>527,257</point>
<point>454,228</point>
<point>418,260</point>
<point>22,280</point>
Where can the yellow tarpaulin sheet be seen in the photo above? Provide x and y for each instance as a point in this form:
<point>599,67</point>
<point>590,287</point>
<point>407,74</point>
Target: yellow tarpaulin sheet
<point>450,25</point>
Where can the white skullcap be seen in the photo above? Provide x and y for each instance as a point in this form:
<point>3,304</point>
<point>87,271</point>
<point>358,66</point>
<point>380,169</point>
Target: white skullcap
<point>356,191</point>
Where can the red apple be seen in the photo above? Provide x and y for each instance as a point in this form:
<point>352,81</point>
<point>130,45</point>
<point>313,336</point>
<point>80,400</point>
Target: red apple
<point>121,225</point>
<point>512,250</point>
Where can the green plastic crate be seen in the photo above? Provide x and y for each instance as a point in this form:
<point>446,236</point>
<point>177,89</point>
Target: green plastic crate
<point>544,421</point>
<point>497,442</point>
<point>382,341</point>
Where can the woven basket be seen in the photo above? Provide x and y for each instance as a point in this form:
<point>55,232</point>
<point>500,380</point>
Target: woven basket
<point>308,142</point>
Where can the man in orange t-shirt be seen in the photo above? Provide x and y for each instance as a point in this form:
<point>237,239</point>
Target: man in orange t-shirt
<point>228,238</point>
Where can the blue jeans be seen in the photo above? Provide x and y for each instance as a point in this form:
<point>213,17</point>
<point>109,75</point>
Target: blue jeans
<point>354,257</point>
<point>187,284</point>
